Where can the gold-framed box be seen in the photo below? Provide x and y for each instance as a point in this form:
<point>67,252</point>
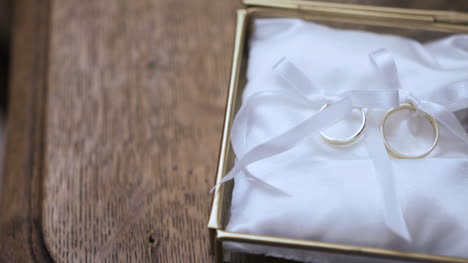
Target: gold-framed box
<point>425,21</point>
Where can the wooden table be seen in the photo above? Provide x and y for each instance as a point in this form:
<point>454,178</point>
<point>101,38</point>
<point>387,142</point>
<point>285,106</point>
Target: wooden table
<point>115,119</point>
<point>116,116</point>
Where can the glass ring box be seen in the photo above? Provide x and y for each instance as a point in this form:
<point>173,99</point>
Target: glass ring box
<point>421,25</point>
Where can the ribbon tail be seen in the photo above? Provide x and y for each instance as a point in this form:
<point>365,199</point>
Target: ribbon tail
<point>265,184</point>
<point>383,169</point>
<point>297,79</point>
<point>226,178</point>
<point>289,139</point>
<point>256,179</point>
<point>446,118</point>
<point>393,215</point>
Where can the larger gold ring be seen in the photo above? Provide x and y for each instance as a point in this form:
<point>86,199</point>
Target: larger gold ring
<point>395,153</point>
<point>353,137</point>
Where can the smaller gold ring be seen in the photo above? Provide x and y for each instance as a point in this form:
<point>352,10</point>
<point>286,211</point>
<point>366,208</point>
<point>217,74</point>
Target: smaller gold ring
<point>395,153</point>
<point>350,139</point>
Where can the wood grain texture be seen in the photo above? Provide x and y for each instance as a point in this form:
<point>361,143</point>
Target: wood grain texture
<point>116,114</point>
<point>136,93</point>
<point>116,118</point>
<point>21,193</point>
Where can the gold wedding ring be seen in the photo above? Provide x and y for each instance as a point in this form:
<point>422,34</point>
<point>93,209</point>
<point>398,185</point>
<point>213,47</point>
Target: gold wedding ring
<point>350,139</point>
<point>395,153</point>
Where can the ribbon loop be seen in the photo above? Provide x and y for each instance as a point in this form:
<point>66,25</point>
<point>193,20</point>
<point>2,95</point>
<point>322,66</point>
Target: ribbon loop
<point>296,78</point>
<point>446,118</point>
<point>385,65</point>
<point>340,107</point>
<point>454,97</point>
<point>440,102</point>
<point>409,97</point>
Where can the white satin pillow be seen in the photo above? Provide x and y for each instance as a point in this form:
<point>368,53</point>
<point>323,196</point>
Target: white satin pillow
<point>334,194</point>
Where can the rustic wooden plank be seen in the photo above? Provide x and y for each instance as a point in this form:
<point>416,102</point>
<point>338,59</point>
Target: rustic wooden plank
<point>20,196</point>
<point>136,95</point>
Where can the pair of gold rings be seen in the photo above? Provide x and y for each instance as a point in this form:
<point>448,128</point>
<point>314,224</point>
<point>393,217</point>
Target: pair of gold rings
<point>390,149</point>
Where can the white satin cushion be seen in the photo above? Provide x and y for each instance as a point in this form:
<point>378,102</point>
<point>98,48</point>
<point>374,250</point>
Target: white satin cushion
<point>334,194</point>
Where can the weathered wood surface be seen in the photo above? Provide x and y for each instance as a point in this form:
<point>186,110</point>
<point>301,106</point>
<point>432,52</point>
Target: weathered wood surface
<point>117,109</point>
<point>115,119</point>
<point>21,193</point>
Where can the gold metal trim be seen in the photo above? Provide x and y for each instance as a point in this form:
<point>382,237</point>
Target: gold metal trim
<point>375,20</point>
<point>450,17</point>
<point>217,209</point>
<point>331,247</point>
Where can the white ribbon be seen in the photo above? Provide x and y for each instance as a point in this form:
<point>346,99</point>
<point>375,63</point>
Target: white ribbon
<point>305,94</point>
<point>371,99</point>
<point>439,105</point>
<point>441,110</point>
<point>289,139</point>
<point>302,93</point>
<point>383,169</point>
